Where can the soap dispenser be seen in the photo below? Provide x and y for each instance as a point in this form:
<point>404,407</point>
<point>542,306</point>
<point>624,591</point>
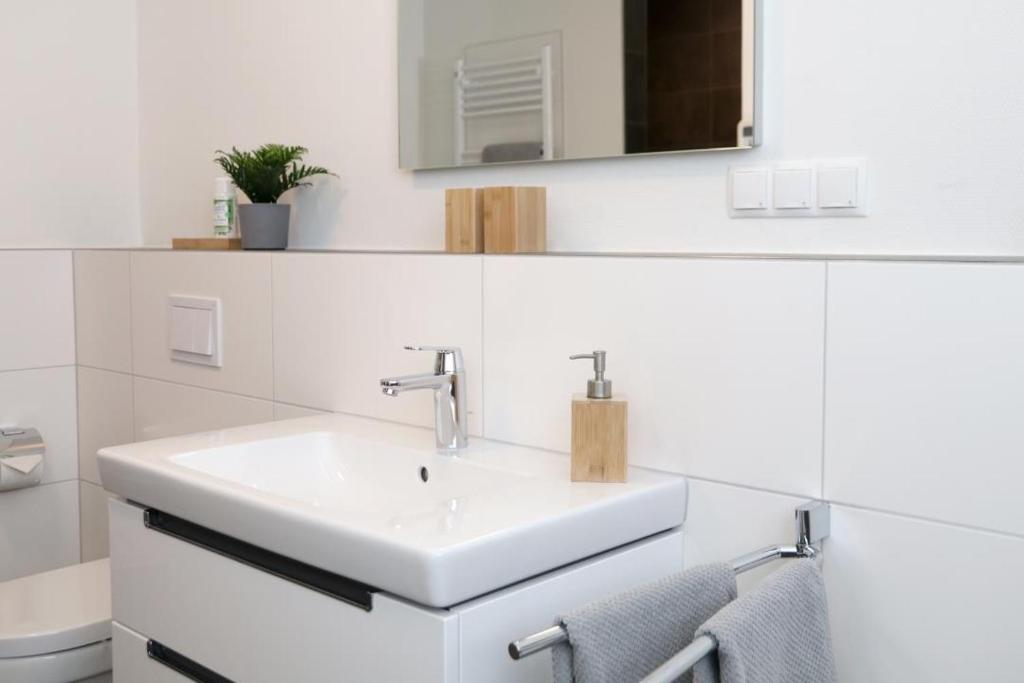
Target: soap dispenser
<point>598,428</point>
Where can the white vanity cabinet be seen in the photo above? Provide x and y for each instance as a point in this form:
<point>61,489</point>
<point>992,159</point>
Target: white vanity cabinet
<point>177,603</point>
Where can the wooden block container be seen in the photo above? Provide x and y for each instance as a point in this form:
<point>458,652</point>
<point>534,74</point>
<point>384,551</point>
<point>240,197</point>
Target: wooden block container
<point>463,220</point>
<point>599,436</point>
<point>207,243</point>
<point>515,220</point>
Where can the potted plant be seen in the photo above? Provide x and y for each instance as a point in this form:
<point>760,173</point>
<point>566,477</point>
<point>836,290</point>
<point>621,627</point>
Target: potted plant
<point>264,174</point>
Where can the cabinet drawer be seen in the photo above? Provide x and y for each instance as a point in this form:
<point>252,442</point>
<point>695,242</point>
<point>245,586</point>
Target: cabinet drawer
<point>132,663</point>
<point>490,623</point>
<point>249,625</point>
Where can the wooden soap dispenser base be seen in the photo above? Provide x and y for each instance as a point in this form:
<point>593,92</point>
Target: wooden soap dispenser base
<point>599,431</point>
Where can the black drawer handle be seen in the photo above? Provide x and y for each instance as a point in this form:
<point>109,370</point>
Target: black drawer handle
<point>320,580</point>
<point>182,664</point>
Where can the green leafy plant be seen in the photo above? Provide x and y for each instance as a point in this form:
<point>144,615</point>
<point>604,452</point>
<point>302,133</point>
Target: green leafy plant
<point>267,172</point>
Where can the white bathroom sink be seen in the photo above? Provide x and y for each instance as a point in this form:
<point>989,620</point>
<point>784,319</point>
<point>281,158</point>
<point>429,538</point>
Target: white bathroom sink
<point>374,502</point>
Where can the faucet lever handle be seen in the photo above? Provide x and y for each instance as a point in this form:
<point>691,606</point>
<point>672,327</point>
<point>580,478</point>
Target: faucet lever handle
<point>447,359</point>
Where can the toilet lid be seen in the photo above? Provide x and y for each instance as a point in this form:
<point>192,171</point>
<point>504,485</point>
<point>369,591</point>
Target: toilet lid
<point>57,610</point>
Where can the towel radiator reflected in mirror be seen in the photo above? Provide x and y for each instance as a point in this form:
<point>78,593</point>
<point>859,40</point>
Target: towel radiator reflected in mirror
<point>813,523</point>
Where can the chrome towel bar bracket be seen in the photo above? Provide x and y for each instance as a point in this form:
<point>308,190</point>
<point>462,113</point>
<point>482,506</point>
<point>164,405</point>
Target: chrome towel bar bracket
<point>813,523</point>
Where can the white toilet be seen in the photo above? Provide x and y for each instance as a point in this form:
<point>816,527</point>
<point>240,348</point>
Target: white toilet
<point>55,626</point>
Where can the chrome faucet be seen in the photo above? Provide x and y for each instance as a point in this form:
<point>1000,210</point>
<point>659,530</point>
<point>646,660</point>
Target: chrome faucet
<point>448,380</point>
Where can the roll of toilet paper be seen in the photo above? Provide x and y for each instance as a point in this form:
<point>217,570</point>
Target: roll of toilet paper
<point>20,471</point>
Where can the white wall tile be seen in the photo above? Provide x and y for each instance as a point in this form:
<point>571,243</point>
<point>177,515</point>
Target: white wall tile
<point>39,529</point>
<point>241,281</point>
<point>925,388</point>
<point>95,529</point>
<point>340,321</point>
<point>721,360</point>
<point>36,288</point>
<point>283,411</point>
<point>920,601</point>
<point>164,409</point>
<point>104,416</point>
<point>725,522</point>
<point>44,399</point>
<point>103,309</point>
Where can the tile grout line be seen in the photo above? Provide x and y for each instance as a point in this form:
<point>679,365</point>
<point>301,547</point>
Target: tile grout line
<point>737,485</point>
<point>202,388</point>
<point>824,382</point>
<point>131,335</point>
<point>483,347</point>
<point>973,528</point>
<point>273,350</point>
<point>45,484</point>
<point>39,367</point>
<point>954,258</point>
<point>866,508</point>
<point>97,368</point>
<point>78,399</point>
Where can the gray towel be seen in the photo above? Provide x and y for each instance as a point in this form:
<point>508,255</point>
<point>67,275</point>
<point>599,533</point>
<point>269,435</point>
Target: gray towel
<point>512,151</point>
<point>777,632</point>
<point>625,637</point>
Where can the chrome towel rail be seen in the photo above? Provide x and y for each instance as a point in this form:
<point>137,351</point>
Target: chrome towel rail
<point>812,525</point>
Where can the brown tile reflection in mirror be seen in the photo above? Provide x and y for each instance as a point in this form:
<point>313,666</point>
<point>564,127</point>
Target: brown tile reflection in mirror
<point>683,73</point>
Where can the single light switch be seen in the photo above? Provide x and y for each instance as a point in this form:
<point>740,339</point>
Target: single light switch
<point>792,188</point>
<point>838,187</point>
<point>202,332</point>
<point>195,330</point>
<point>750,190</point>
<point>181,328</point>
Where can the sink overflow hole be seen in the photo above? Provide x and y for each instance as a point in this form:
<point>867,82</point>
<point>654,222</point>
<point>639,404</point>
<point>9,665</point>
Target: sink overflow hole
<point>424,473</point>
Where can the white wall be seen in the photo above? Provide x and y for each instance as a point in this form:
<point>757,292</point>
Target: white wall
<point>891,389</point>
<point>68,123</point>
<point>39,525</point>
<point>926,96</point>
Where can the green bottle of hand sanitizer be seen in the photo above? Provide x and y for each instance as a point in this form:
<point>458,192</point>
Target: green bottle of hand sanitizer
<point>224,207</point>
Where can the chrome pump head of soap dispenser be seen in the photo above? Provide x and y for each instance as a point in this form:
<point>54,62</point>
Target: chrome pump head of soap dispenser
<point>598,387</point>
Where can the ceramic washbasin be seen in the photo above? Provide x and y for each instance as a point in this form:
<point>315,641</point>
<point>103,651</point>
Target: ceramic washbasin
<point>374,502</point>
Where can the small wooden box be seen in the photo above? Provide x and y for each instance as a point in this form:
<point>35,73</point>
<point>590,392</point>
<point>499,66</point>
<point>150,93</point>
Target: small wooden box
<point>515,220</point>
<point>207,243</point>
<point>599,436</point>
<point>463,221</point>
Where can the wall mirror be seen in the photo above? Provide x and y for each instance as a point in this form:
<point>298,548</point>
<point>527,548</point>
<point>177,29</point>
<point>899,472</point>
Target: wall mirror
<point>493,81</point>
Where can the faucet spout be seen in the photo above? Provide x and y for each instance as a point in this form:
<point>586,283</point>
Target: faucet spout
<point>393,386</point>
<point>448,382</point>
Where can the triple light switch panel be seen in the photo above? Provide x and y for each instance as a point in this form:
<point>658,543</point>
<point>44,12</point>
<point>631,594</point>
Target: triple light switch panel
<point>835,187</point>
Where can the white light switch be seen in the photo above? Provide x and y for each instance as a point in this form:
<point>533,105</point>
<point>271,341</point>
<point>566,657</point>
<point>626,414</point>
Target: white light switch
<point>181,328</point>
<point>791,188</point>
<point>749,190</point>
<point>195,330</point>
<point>838,187</point>
<point>202,332</point>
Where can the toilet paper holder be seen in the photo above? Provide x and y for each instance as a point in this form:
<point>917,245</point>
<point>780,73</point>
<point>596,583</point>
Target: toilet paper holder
<point>22,452</point>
